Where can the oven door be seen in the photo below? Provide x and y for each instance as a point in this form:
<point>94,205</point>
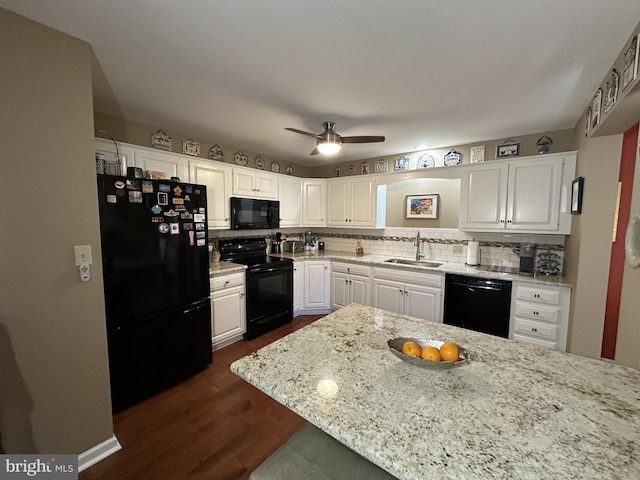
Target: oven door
<point>269,298</point>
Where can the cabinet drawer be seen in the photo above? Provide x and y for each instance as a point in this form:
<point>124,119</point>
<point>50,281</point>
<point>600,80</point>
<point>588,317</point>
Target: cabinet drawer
<point>537,312</point>
<point>402,275</point>
<point>226,281</point>
<point>535,341</point>
<point>538,295</point>
<point>535,329</point>
<point>350,269</point>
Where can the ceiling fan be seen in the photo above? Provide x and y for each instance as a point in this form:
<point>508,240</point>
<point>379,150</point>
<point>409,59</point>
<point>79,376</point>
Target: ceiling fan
<point>329,142</point>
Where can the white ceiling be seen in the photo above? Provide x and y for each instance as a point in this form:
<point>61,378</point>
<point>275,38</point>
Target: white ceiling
<point>431,72</point>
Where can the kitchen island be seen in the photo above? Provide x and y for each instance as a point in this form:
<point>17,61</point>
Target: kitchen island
<point>513,411</point>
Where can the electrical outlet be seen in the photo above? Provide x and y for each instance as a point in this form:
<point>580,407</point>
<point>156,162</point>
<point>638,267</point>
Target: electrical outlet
<point>83,255</point>
<point>457,249</point>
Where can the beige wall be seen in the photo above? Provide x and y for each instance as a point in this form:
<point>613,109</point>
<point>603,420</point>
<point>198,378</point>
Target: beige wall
<point>140,134</point>
<point>588,248</point>
<point>54,384</point>
<point>562,142</point>
<point>448,191</point>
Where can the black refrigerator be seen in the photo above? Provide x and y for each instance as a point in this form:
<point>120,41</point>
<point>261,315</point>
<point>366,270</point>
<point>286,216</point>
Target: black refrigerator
<point>156,284</point>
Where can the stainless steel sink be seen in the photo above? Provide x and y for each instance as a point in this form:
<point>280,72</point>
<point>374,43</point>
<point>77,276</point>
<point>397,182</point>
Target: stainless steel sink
<point>406,261</point>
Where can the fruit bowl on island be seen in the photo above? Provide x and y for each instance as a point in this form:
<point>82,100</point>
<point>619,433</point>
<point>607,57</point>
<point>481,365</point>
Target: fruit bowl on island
<point>428,354</point>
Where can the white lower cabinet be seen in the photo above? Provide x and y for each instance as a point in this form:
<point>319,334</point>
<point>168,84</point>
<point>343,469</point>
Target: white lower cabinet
<point>418,294</point>
<point>540,314</point>
<point>316,285</point>
<point>350,283</point>
<point>228,318</point>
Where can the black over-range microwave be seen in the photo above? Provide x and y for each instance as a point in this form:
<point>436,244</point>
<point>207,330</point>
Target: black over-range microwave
<point>249,213</point>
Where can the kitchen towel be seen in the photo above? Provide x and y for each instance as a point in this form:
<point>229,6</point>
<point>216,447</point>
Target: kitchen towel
<point>473,253</point>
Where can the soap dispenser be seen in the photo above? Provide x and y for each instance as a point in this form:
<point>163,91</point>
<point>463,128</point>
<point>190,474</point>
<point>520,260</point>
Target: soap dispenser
<point>359,249</point>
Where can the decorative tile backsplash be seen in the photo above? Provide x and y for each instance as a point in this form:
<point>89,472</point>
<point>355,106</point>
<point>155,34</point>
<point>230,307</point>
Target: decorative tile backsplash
<point>444,245</point>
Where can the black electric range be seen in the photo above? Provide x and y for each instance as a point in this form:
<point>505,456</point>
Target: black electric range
<point>269,284</point>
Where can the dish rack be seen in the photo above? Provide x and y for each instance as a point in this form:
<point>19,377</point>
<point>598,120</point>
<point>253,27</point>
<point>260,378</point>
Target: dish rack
<point>549,263</point>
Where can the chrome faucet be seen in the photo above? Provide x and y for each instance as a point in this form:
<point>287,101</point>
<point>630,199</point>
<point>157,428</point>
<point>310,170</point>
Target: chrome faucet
<point>419,255</point>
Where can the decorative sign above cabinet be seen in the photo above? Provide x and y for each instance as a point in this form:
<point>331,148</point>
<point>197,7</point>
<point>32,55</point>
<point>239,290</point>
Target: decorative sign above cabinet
<point>161,141</point>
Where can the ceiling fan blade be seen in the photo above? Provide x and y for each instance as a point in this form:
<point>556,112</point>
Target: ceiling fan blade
<point>363,139</point>
<point>295,130</point>
<point>315,152</point>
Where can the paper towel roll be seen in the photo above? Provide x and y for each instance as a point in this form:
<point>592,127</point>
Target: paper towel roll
<point>473,253</point>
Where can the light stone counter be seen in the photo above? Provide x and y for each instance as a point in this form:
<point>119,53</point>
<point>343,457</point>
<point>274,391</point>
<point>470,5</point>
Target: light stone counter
<point>514,411</point>
<point>218,268</point>
<point>457,268</point>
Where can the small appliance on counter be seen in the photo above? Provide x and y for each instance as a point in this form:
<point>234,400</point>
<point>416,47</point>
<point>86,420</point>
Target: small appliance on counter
<point>527,260</point>
<point>292,246</point>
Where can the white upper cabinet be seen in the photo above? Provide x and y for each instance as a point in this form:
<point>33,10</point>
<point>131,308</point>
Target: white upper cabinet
<point>217,178</point>
<point>523,196</point>
<point>247,182</point>
<point>290,196</point>
<point>314,202</point>
<point>353,202</point>
<point>158,164</point>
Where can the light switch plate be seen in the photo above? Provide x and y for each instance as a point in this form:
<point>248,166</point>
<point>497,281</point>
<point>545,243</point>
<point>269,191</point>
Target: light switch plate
<point>83,255</point>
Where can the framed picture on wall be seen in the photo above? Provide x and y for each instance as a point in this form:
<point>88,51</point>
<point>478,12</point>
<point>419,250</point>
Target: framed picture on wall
<point>576,195</point>
<point>630,72</point>
<point>422,206</point>
<point>508,149</point>
<point>596,107</point>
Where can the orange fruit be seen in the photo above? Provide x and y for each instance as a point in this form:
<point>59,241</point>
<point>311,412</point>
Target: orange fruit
<point>449,352</point>
<point>411,348</point>
<point>431,353</point>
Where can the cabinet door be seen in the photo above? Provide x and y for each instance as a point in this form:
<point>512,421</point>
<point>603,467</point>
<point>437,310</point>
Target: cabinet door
<point>340,291</point>
<point>362,201</point>
<point>360,289</point>
<point>338,202</point>
<point>422,302</point>
<point>483,198</point>
<point>313,203</point>
<point>388,295</point>
<point>316,284</point>
<point>243,183</point>
<point>289,194</point>
<point>228,315</point>
<point>217,178</point>
<point>266,185</point>
<point>162,165</point>
<point>298,285</point>
<point>533,201</point>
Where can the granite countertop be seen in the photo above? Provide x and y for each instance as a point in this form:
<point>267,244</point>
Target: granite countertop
<point>514,411</point>
<point>445,267</point>
<point>218,268</point>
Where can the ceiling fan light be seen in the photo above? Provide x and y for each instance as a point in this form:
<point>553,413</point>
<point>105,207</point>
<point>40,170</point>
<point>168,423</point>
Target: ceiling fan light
<point>328,147</point>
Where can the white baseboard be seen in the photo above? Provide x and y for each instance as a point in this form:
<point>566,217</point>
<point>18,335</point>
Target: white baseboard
<point>312,311</point>
<point>97,453</point>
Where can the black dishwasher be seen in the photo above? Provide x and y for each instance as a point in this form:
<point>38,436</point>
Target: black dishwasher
<point>480,304</point>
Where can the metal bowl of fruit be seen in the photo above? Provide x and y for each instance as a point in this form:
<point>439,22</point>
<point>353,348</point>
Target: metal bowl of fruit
<point>436,354</point>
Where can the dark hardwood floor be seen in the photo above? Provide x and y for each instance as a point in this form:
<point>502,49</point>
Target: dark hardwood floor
<point>212,426</point>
